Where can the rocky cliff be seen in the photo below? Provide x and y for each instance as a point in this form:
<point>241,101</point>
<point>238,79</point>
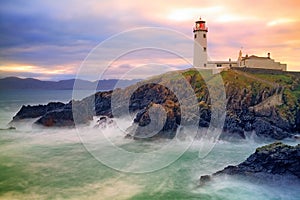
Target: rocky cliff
<point>273,162</point>
<point>266,102</point>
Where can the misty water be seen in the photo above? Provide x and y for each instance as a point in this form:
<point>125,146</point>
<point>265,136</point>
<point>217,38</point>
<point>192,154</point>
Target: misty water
<point>53,163</point>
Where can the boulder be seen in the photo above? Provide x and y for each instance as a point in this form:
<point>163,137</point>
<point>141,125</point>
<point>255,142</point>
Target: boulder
<point>275,161</point>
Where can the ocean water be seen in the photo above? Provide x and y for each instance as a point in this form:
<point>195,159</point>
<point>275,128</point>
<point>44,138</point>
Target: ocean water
<point>38,163</point>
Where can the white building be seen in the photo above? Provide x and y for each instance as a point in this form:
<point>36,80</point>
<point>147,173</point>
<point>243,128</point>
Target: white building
<point>260,62</point>
<point>200,59</point>
<point>200,44</point>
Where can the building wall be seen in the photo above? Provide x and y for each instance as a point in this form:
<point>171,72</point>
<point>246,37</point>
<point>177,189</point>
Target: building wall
<point>263,63</point>
<point>220,64</point>
<point>200,49</point>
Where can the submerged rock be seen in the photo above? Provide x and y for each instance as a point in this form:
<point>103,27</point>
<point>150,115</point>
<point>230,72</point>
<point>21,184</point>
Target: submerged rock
<point>9,128</point>
<point>104,122</point>
<point>273,162</point>
<point>204,179</point>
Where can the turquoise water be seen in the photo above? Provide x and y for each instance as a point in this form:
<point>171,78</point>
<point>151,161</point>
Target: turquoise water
<point>54,164</point>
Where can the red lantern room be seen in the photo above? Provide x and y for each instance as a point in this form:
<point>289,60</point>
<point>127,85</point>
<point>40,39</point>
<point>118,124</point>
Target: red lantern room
<point>200,26</point>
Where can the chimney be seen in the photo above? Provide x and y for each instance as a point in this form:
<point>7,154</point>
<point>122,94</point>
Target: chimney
<point>269,55</point>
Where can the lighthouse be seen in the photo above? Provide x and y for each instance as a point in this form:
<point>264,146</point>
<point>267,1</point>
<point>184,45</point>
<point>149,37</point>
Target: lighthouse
<point>200,44</point>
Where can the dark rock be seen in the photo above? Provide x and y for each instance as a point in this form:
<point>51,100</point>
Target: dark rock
<point>297,124</point>
<point>57,118</point>
<point>139,115</point>
<point>273,160</point>
<point>75,112</point>
<point>247,107</point>
<point>102,102</point>
<point>204,179</point>
<point>151,122</point>
<point>205,115</point>
<point>158,115</point>
<point>265,129</point>
<point>9,128</point>
<point>232,128</point>
<point>248,126</point>
<point>104,122</point>
<point>37,111</point>
<point>64,118</point>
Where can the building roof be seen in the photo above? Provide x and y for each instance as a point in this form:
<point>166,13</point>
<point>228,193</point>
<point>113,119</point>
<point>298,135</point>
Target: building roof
<point>222,62</point>
<point>254,57</point>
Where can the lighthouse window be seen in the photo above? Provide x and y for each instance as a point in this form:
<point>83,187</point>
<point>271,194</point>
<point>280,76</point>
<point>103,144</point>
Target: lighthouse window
<point>204,48</point>
<point>204,35</point>
<point>195,36</point>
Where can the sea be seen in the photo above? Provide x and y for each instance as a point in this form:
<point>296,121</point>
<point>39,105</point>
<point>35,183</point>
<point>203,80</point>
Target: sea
<point>90,162</point>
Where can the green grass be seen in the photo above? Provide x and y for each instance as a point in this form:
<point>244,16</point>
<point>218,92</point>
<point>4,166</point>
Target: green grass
<point>284,79</point>
<point>252,82</point>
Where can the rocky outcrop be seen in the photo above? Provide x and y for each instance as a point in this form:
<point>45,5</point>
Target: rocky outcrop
<point>102,102</point>
<point>37,111</point>
<point>156,121</point>
<point>275,161</point>
<point>57,118</point>
<point>271,111</point>
<point>56,114</point>
<point>265,129</point>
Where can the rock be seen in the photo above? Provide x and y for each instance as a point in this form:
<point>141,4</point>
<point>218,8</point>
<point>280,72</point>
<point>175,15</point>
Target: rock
<point>252,106</point>
<point>104,122</point>
<point>57,118</point>
<point>232,128</point>
<point>204,179</point>
<point>102,102</point>
<point>270,162</point>
<point>155,121</point>
<point>265,129</point>
<point>74,112</point>
<point>297,124</point>
<point>9,128</point>
<point>205,115</point>
<point>36,111</point>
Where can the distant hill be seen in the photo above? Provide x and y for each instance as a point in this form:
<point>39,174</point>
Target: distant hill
<point>30,83</point>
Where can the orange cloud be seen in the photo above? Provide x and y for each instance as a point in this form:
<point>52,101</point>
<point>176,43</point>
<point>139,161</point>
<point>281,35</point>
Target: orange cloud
<point>259,26</point>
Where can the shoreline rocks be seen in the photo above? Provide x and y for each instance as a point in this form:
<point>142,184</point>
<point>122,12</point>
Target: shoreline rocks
<point>251,107</point>
<point>37,111</point>
<point>273,162</point>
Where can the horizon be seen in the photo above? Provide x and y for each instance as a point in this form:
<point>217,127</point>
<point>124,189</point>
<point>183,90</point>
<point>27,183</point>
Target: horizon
<point>24,78</point>
<point>49,40</point>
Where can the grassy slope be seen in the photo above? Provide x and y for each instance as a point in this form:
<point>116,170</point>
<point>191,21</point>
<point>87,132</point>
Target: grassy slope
<point>254,81</point>
<point>291,94</point>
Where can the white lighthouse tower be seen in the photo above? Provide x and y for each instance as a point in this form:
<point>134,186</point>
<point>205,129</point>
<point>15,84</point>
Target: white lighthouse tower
<point>200,44</point>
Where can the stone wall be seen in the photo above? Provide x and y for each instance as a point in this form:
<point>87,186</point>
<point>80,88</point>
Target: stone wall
<point>264,63</point>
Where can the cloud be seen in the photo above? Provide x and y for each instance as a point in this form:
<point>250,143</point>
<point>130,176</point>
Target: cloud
<point>54,34</point>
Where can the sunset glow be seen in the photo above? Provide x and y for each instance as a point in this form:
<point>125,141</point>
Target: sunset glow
<point>52,38</point>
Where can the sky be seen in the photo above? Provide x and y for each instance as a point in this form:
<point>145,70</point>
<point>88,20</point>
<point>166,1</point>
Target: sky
<point>50,39</point>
